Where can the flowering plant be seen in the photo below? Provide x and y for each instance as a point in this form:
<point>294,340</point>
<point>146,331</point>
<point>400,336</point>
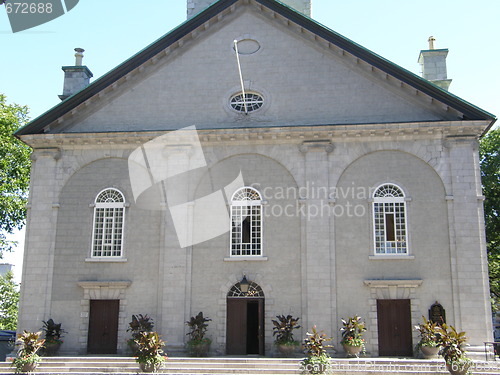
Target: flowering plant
<point>283,329</point>
<point>26,355</point>
<point>318,359</point>
<point>452,345</point>
<point>150,352</point>
<point>428,333</point>
<point>53,332</point>
<point>352,331</point>
<point>352,341</point>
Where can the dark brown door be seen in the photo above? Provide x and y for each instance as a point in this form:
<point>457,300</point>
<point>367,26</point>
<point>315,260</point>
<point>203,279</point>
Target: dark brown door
<point>236,326</point>
<point>103,326</point>
<point>245,326</point>
<point>394,327</point>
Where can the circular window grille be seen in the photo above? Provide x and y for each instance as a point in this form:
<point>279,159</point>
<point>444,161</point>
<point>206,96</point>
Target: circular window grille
<point>246,194</point>
<point>109,196</point>
<point>389,190</point>
<point>254,291</point>
<point>252,102</point>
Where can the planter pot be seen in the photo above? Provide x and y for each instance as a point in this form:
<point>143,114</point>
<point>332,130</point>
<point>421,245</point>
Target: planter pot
<point>458,370</point>
<point>199,349</point>
<point>147,367</point>
<point>430,351</point>
<point>352,350</point>
<point>52,349</point>
<point>29,367</point>
<point>286,350</point>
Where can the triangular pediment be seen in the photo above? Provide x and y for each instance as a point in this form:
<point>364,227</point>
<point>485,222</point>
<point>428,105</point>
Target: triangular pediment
<point>305,73</point>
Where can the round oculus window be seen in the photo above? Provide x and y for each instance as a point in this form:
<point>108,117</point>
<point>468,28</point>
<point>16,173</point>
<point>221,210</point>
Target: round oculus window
<point>247,46</point>
<point>249,103</point>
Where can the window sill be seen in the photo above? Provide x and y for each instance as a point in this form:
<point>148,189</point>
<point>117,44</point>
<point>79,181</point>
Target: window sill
<point>391,257</point>
<point>106,260</point>
<point>246,259</point>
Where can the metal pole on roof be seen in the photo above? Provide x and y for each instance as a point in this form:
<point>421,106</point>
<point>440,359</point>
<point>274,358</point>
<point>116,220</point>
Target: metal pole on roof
<point>241,77</point>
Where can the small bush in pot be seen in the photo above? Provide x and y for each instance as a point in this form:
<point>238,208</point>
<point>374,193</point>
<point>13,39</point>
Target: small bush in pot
<point>139,324</point>
<point>283,330</point>
<point>53,337</point>
<point>429,341</point>
<point>150,351</point>
<point>317,359</point>
<point>27,358</point>
<point>352,335</point>
<point>452,345</point>
<point>198,345</point>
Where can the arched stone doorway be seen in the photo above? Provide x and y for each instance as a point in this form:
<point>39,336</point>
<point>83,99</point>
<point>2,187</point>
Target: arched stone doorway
<point>245,320</point>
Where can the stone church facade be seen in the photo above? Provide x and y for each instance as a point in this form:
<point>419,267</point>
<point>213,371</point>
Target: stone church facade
<point>331,185</point>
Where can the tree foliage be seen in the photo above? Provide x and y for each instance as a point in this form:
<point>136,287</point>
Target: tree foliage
<point>490,175</point>
<point>14,171</point>
<point>9,299</point>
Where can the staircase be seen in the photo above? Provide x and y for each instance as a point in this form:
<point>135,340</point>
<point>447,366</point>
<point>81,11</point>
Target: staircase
<point>246,365</point>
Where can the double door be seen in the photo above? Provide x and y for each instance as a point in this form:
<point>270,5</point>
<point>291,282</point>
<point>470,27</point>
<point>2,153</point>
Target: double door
<point>245,326</point>
<point>394,327</point>
<point>103,326</point>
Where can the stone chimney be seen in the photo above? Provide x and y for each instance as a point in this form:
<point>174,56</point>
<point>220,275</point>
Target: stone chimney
<point>433,63</point>
<point>196,6</point>
<point>76,77</point>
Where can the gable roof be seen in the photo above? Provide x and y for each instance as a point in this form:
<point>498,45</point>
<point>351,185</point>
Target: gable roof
<point>470,112</point>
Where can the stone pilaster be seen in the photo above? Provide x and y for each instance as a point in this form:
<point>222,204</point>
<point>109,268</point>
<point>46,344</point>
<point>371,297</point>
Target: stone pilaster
<point>472,310</point>
<point>318,276</point>
<point>36,285</point>
<point>176,260</point>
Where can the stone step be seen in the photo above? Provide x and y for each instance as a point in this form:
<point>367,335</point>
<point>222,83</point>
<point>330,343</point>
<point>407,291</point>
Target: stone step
<point>247,366</point>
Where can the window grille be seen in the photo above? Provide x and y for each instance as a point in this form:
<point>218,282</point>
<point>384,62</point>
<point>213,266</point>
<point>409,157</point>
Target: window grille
<point>389,220</point>
<point>253,102</point>
<point>246,223</point>
<point>109,212</point>
<point>254,291</point>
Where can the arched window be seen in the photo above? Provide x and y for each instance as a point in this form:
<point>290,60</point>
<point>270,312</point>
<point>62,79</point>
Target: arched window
<point>109,213</point>
<point>254,291</point>
<point>389,220</point>
<point>246,223</point>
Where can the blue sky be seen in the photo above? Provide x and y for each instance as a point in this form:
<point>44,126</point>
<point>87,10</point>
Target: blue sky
<point>113,30</point>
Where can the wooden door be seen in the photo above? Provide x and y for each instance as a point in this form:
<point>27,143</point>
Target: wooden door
<point>245,326</point>
<point>103,326</point>
<point>236,342</point>
<point>394,327</point>
<point>261,327</point>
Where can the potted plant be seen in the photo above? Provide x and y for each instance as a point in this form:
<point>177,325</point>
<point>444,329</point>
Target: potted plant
<point>149,353</point>
<point>428,344</point>
<point>352,335</point>
<point>53,337</point>
<point>198,345</point>
<point>27,358</point>
<point>283,330</point>
<point>317,360</point>
<point>140,323</point>
<point>452,343</point>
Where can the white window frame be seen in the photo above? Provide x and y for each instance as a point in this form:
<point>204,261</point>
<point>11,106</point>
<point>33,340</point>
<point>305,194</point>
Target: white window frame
<point>107,243</point>
<point>394,205</point>
<point>253,102</point>
<point>243,206</point>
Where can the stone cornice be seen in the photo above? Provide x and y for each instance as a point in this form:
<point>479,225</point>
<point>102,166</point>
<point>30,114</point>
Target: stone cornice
<point>51,152</point>
<point>104,284</point>
<point>462,140</point>
<point>292,134</point>
<point>385,283</point>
